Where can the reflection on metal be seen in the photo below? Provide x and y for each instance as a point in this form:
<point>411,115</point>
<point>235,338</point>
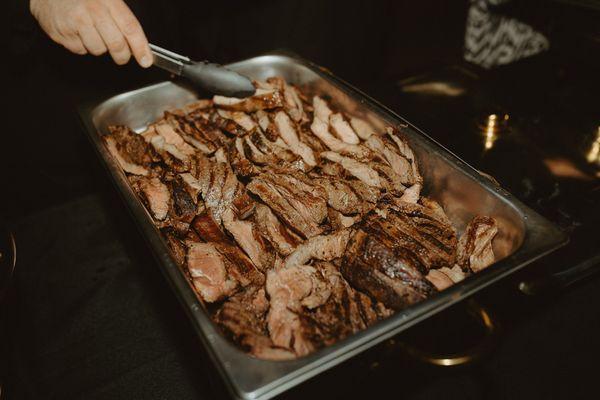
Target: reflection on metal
<point>490,130</point>
<point>468,356</point>
<point>436,88</point>
<point>564,168</point>
<point>593,155</point>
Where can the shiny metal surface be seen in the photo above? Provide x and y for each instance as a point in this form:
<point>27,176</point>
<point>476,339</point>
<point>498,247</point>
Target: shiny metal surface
<point>524,235</point>
<point>209,76</point>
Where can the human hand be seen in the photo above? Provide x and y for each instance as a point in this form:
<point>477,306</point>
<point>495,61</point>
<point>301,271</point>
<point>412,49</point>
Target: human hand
<point>95,27</point>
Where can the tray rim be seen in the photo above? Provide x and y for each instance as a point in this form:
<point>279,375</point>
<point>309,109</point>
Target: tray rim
<point>532,248</point>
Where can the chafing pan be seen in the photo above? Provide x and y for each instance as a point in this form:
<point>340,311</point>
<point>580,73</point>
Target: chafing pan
<point>524,235</point>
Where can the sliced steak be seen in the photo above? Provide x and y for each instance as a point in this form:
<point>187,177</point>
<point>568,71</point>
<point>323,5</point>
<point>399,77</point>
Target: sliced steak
<point>183,205</point>
<point>322,247</point>
<point>155,195</point>
<point>250,240</point>
<point>288,133</point>
<point>280,237</point>
<point>372,266</point>
<point>176,245</point>
<point>342,129</point>
<point>363,129</point>
<point>272,194</point>
<point>416,234</point>
<point>357,169</point>
<point>242,318</point>
<point>263,99</point>
<point>210,272</point>
<point>475,246</point>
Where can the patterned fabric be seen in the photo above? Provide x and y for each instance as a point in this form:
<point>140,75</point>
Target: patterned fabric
<point>493,40</point>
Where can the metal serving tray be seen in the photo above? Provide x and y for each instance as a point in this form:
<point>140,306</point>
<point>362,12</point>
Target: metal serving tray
<point>523,234</point>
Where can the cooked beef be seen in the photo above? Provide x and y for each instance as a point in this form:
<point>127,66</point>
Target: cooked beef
<point>210,271</point>
<point>281,238</point>
<point>300,220</point>
<point>357,169</point>
<point>412,194</point>
<point>242,317</point>
<point>288,133</point>
<point>132,146</point>
<point>188,130</point>
<point>401,165</point>
<point>321,125</point>
<point>439,279</point>
<point>263,99</point>
<point>227,125</point>
<point>323,247</point>
<point>301,225</point>
<point>250,240</point>
<point>342,129</point>
<point>341,196</point>
<point>362,128</point>
<point>123,159</point>
<point>176,245</point>
<point>475,246</point>
<point>338,220</point>
<point>375,267</point>
<point>155,195</point>
<point>416,234</point>
<point>240,118</point>
<point>184,206</point>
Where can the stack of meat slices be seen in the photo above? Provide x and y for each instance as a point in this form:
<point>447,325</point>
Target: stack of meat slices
<point>297,225</point>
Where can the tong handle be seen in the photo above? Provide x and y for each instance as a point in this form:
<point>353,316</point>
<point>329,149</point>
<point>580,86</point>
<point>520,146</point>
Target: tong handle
<point>168,60</point>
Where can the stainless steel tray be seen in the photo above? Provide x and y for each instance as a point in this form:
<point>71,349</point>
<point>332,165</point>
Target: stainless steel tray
<point>524,235</point>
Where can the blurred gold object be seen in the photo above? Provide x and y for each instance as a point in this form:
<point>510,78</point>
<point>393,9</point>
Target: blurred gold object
<point>491,128</point>
<point>593,155</point>
<point>468,356</point>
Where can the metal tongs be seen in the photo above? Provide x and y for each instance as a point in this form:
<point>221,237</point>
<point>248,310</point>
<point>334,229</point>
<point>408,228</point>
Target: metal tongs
<point>211,77</point>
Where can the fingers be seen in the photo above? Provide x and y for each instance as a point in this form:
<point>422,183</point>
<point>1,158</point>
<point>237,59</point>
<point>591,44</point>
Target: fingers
<point>132,31</point>
<point>74,45</point>
<point>91,40</point>
<point>113,37</point>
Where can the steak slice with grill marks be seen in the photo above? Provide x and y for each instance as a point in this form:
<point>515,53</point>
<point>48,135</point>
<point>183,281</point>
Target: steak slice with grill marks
<point>242,318</point>
<point>373,267</point>
<point>298,220</point>
<point>475,246</point>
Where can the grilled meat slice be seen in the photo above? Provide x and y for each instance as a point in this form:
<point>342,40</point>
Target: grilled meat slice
<point>374,267</point>
<point>240,118</point>
<point>339,221</point>
<point>287,289</point>
<point>288,133</point>
<point>263,99</point>
<point>130,149</point>
<point>363,129</point>
<point>439,279</point>
<point>188,130</point>
<point>242,317</point>
<point>250,240</point>
<point>280,237</point>
<point>155,195</point>
<point>176,245</point>
<point>341,196</point>
<point>239,162</point>
<point>277,198</point>
<point>475,246</point>
<point>321,125</point>
<point>183,205</point>
<point>357,169</point>
<point>401,165</point>
<point>414,232</point>
<point>210,272</point>
<point>412,194</point>
<point>322,247</point>
<point>342,129</point>
<point>406,152</point>
<point>123,160</point>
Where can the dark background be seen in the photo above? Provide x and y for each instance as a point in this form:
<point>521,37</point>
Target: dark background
<point>90,316</point>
